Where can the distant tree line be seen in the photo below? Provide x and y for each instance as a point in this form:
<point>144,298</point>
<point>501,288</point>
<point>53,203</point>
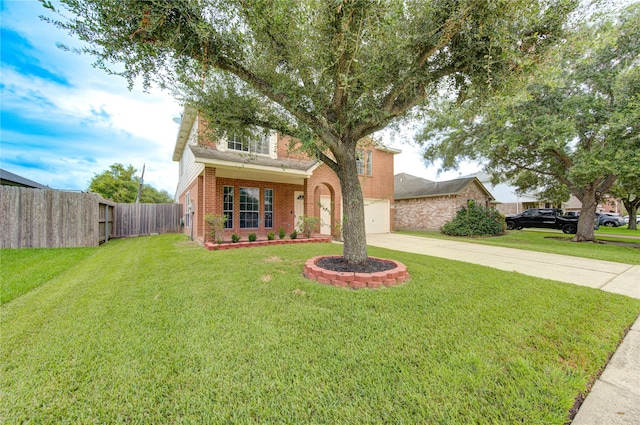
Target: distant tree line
<point>120,184</point>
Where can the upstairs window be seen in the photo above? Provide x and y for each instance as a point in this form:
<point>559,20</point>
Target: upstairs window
<point>364,162</point>
<point>253,146</point>
<point>360,161</point>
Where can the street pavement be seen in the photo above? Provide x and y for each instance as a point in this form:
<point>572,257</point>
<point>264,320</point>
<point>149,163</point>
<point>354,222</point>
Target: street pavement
<point>615,397</point>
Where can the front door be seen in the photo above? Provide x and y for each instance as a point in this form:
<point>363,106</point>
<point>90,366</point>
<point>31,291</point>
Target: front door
<point>298,208</point>
<point>325,214</point>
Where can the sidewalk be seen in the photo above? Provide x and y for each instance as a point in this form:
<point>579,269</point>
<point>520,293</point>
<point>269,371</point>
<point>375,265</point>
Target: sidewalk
<point>615,397</point>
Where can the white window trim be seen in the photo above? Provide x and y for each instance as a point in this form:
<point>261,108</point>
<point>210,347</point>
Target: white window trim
<point>272,141</point>
<point>273,144</point>
<point>187,201</point>
<point>360,162</point>
<point>258,212</point>
<point>264,207</point>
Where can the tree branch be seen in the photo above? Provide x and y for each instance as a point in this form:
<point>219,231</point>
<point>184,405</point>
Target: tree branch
<point>519,166</point>
<point>267,90</point>
<point>343,66</point>
<point>448,29</point>
<point>400,106</point>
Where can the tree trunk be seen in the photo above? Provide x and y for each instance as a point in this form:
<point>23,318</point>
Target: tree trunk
<point>355,239</point>
<point>632,209</point>
<point>589,201</point>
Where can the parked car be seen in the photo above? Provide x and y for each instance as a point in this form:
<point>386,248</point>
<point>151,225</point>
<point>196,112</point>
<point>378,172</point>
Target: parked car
<point>576,214</point>
<point>626,219</point>
<point>546,218</point>
<point>610,219</point>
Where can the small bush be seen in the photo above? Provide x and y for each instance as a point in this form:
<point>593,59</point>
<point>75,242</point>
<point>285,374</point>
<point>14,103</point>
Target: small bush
<point>252,237</point>
<point>235,238</point>
<point>281,233</point>
<point>475,220</point>
<point>293,235</point>
<point>271,236</point>
<point>308,224</point>
<point>216,224</point>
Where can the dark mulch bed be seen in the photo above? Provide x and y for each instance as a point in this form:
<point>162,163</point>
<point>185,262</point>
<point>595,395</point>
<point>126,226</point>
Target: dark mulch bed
<point>337,264</point>
<point>599,241</point>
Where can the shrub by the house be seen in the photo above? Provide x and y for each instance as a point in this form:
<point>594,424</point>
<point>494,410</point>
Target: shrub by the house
<point>475,220</point>
<point>216,224</point>
<point>308,224</point>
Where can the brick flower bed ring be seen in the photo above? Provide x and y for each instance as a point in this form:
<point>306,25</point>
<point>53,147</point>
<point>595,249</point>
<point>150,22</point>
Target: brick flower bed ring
<point>394,276</point>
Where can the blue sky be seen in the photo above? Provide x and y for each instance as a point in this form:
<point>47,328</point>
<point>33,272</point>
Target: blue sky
<point>62,121</point>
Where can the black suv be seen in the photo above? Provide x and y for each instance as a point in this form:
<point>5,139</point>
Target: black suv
<point>545,218</point>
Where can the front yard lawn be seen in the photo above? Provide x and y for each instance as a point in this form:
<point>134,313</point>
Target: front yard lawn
<point>158,330</point>
<point>22,270</point>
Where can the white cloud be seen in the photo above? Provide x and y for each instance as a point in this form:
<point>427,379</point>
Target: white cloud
<point>65,121</point>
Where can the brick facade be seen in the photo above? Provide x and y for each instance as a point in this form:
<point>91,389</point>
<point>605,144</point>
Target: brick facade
<point>431,213</point>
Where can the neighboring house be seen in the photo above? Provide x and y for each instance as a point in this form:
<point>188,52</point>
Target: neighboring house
<point>509,201</point>
<point>611,205</point>
<point>262,186</point>
<point>421,204</point>
<point>10,179</point>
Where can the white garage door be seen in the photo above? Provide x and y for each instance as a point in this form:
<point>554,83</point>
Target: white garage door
<point>376,216</point>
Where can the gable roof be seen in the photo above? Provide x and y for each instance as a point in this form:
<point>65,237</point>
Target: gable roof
<point>11,179</point>
<point>407,186</point>
<point>187,120</point>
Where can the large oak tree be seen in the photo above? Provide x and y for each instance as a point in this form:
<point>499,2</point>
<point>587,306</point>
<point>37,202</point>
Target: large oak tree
<point>327,72</point>
<point>572,128</point>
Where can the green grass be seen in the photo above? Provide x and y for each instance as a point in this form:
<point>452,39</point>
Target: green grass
<point>22,270</point>
<point>622,230</point>
<point>554,242</point>
<point>157,330</point>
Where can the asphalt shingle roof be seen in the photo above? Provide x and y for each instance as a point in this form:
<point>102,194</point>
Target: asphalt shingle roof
<point>9,178</point>
<point>407,186</point>
<point>234,157</point>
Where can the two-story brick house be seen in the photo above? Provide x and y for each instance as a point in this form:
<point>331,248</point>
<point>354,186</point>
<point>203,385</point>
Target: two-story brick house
<point>262,186</point>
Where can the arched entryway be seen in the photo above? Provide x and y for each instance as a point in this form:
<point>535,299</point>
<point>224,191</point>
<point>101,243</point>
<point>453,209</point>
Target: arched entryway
<point>327,207</point>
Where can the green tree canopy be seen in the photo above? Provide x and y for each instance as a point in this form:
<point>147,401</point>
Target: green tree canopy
<point>627,188</point>
<point>573,128</point>
<point>120,184</point>
<point>326,72</point>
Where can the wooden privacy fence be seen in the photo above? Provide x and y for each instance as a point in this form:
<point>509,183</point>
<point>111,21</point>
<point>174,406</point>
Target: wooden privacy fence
<point>146,219</point>
<point>40,218</point>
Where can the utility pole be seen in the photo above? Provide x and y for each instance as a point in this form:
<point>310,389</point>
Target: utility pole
<point>140,185</point>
